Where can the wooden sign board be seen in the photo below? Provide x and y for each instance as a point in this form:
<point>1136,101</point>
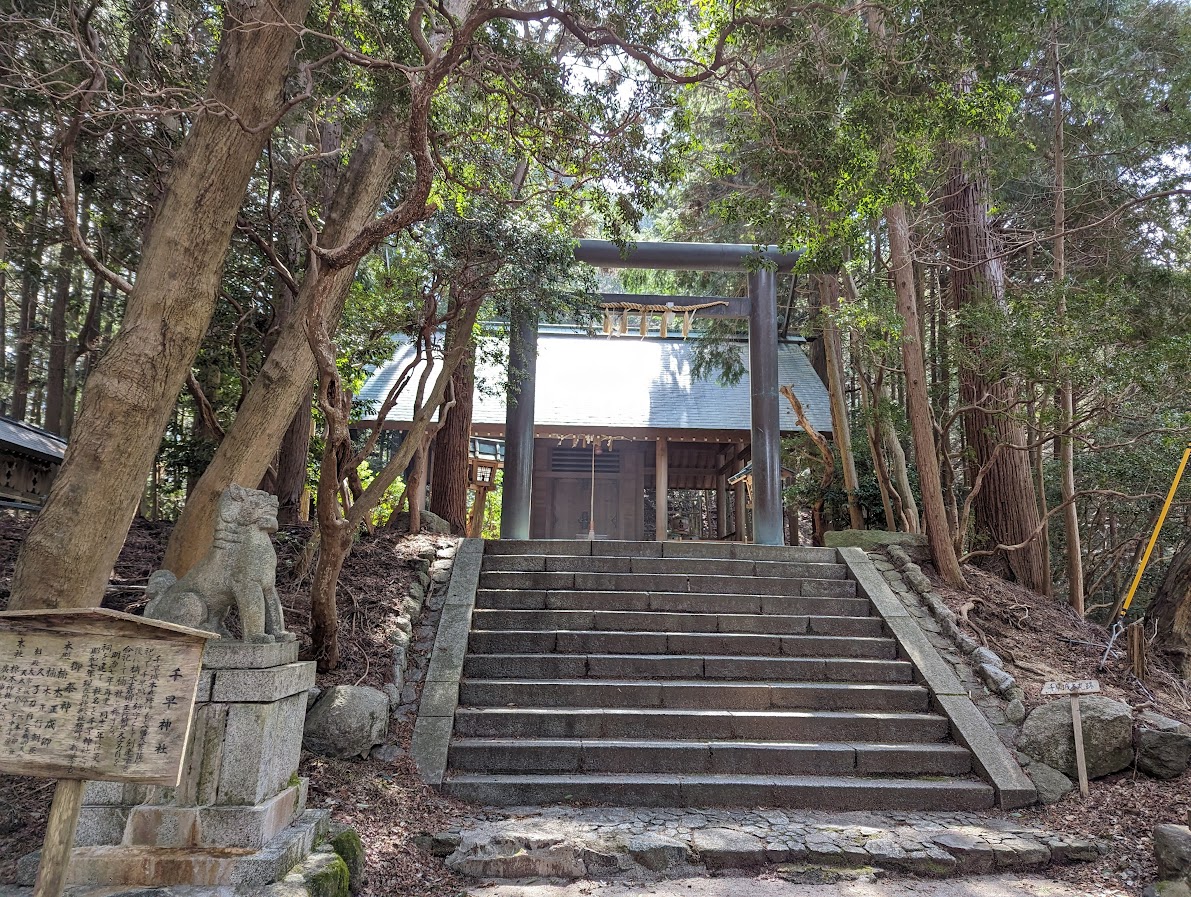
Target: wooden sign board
<point>96,694</point>
<point>1067,689</point>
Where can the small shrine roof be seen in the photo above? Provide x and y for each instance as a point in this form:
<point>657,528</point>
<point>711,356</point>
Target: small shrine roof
<point>25,439</point>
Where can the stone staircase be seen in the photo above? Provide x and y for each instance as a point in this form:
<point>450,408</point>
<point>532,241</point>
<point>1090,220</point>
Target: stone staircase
<point>692,674</point>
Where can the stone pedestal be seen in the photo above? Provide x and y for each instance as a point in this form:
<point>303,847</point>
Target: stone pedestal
<point>238,817</point>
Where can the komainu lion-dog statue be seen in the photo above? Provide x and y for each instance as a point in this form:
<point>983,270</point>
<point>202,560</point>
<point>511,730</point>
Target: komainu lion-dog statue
<point>240,570</point>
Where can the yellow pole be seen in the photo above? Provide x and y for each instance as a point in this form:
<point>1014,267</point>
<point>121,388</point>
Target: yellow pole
<point>1145,558</point>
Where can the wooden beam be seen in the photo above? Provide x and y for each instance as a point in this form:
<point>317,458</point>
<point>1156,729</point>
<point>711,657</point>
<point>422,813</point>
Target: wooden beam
<point>661,485</point>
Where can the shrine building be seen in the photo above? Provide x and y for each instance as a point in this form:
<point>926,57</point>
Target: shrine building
<point>622,416</point>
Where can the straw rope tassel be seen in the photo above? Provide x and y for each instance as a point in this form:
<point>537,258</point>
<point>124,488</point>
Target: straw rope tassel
<point>607,323</point>
<point>624,324</point>
<point>644,324</point>
<point>687,317</point>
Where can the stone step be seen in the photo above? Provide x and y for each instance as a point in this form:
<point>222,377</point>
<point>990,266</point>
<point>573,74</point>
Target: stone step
<point>835,597</point>
<point>657,582</point>
<point>714,725</point>
<point>593,642</point>
<point>659,621</point>
<point>667,790</point>
<point>684,694</point>
<point>671,666</point>
<point>572,755</point>
<point>554,563</point>
<point>612,548</point>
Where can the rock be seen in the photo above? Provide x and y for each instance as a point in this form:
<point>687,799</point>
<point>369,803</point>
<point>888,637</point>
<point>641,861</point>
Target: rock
<point>392,693</point>
<point>387,753</point>
<point>346,721</point>
<point>1172,849</point>
<point>985,656</point>
<point>720,848</point>
<point>1052,785</point>
<point>1015,711</point>
<point>516,855</point>
<point>918,581</point>
<point>1163,746</point>
<point>657,852</point>
<point>350,848</point>
<point>431,523</point>
<point>312,696</point>
<point>966,643</point>
<point>973,855</point>
<point>326,875</point>
<point>1046,735</point>
<point>994,677</point>
<point>1178,888</point>
<point>440,844</point>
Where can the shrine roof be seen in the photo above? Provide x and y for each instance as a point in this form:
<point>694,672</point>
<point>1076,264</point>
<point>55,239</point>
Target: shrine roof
<point>595,384</point>
<point>24,439</point>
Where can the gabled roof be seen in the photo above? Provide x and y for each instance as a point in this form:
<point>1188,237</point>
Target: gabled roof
<point>596,384</point>
<point>24,439</point>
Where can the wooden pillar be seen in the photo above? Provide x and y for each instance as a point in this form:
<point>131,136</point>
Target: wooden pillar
<point>741,516</point>
<point>661,485</point>
<point>721,497</point>
<point>475,523</point>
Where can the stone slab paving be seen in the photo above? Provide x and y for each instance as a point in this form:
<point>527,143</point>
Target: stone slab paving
<point>856,886</point>
<point>571,843</point>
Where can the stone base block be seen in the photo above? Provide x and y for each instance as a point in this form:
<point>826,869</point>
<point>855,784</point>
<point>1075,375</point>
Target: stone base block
<point>230,655</point>
<point>125,867</point>
<point>259,686</point>
<point>173,827</point>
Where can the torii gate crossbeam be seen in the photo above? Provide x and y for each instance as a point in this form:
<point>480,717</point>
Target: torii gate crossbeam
<point>762,263</point>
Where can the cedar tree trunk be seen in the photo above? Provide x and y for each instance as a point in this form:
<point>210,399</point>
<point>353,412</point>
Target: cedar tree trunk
<point>938,533</point>
<point>68,554</point>
<point>452,443</point>
<point>291,463</point>
<point>1006,507</point>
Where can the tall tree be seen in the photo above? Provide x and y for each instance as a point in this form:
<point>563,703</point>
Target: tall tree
<point>131,393</point>
<point>938,532</point>
<point>1001,480</point>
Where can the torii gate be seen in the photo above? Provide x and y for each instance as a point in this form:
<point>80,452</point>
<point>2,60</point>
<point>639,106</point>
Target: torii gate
<point>760,308</point>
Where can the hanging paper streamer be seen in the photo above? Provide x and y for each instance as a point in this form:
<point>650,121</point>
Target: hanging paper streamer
<point>616,317</point>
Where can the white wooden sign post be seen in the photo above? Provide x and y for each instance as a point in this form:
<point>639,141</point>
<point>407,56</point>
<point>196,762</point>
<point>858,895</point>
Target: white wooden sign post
<point>1074,690</point>
<point>92,695</point>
